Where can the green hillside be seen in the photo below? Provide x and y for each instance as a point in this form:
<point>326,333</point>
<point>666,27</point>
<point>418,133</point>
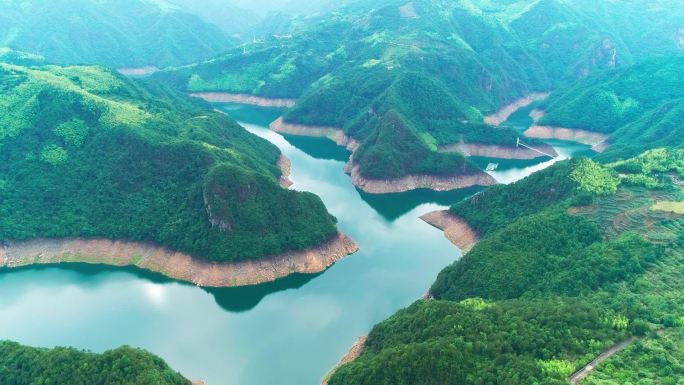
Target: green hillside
<point>609,100</point>
<point>464,59</point>
<point>121,33</point>
<point>555,281</point>
<point>21,365</point>
<point>641,106</point>
<point>85,152</point>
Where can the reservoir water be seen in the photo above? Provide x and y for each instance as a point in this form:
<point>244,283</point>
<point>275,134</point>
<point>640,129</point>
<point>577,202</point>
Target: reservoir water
<point>290,332</point>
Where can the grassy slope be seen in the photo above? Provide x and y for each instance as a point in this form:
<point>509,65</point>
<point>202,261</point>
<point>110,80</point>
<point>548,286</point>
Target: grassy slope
<point>464,59</point>
<point>21,365</point>
<point>122,33</point>
<point>550,285</point>
<point>85,152</point>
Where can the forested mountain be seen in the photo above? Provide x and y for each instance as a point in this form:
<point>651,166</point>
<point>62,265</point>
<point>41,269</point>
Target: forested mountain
<point>640,106</point>
<point>21,365</point>
<point>117,33</point>
<point>85,152</point>
<point>573,260</point>
<point>478,54</point>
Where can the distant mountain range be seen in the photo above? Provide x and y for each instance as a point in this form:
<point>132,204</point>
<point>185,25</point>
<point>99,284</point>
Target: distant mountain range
<point>117,33</point>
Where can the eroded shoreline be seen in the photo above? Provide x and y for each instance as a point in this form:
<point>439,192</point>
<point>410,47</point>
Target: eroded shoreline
<point>377,186</point>
<point>225,97</point>
<point>354,353</point>
<point>456,230</point>
<point>502,115</point>
<point>176,265</point>
<point>500,152</point>
<point>570,134</point>
<point>285,167</point>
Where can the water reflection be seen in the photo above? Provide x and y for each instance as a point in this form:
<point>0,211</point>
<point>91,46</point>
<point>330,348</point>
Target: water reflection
<point>288,332</point>
<point>393,206</point>
<point>242,299</point>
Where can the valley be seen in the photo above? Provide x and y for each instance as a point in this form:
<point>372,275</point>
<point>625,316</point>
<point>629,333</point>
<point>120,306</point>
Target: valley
<point>362,192</point>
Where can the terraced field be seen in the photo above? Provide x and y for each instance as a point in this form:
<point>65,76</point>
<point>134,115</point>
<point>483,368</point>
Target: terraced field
<point>634,209</point>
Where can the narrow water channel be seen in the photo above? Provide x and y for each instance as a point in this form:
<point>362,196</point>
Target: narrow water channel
<point>289,332</point>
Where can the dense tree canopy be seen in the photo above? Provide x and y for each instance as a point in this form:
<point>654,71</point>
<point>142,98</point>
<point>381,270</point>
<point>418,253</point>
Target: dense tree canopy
<point>21,365</point>
<point>87,153</point>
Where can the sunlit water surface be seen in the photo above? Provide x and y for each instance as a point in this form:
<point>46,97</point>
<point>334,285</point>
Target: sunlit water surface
<point>289,332</point>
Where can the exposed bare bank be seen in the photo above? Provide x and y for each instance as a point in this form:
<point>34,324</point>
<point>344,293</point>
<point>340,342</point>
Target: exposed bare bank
<point>570,134</point>
<point>285,167</point>
<point>139,71</point>
<point>176,265</point>
<point>501,152</point>
<point>335,134</point>
<point>456,230</point>
<point>353,354</point>
<point>225,97</point>
<point>376,186</point>
<point>414,182</point>
<point>506,111</point>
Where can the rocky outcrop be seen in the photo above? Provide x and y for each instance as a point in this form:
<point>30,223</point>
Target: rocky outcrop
<point>506,111</point>
<point>353,354</point>
<point>456,230</point>
<point>285,167</point>
<point>173,264</point>
<point>570,134</point>
<point>140,71</point>
<point>501,152</point>
<point>414,182</point>
<point>225,97</point>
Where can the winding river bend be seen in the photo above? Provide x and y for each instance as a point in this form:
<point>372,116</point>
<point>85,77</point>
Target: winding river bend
<point>290,332</point>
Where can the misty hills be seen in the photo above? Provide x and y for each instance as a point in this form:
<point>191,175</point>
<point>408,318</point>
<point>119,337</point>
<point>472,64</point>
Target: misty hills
<point>121,33</point>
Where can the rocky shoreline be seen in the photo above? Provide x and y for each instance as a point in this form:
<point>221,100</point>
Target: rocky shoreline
<point>506,111</point>
<point>172,264</point>
<point>335,134</point>
<point>285,167</point>
<point>225,97</point>
<point>353,354</point>
<point>138,71</point>
<point>414,182</point>
<point>501,152</point>
<point>376,186</point>
<point>456,230</point>
<point>569,134</point>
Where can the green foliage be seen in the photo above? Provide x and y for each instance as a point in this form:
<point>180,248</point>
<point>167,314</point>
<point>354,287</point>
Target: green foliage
<point>594,179</point>
<point>512,342</point>
<point>442,70</point>
<point>54,155</point>
<point>136,163</point>
<point>574,279</point>
<point>73,132</point>
<point>542,254</point>
<point>499,206</point>
<point>609,100</point>
<point>21,365</point>
<point>657,161</point>
<point>654,360</point>
<point>394,150</point>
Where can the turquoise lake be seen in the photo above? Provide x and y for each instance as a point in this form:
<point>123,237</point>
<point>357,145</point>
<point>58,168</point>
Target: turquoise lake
<point>290,332</point>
